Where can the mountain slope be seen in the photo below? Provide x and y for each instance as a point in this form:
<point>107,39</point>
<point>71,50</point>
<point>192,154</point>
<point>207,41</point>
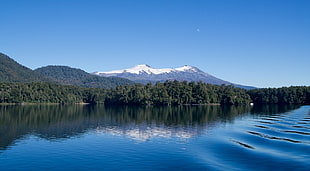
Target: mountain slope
<point>78,77</point>
<point>144,74</point>
<point>11,71</point>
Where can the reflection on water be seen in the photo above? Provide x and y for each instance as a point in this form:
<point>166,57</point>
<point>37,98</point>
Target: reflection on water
<point>92,137</point>
<point>56,122</point>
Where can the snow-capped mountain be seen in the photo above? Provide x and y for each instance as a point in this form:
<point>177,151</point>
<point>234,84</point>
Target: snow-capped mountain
<point>145,73</point>
<point>146,69</point>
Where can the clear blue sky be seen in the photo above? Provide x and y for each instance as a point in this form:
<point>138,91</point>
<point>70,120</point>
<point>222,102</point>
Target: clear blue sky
<point>262,43</point>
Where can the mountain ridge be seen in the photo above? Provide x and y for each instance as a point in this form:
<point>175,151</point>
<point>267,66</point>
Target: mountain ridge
<point>78,77</point>
<point>12,71</point>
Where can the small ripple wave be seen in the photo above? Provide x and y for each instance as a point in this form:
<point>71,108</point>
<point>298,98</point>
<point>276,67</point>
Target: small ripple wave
<point>280,141</point>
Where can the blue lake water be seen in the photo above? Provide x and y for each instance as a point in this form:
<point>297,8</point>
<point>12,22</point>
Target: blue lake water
<point>84,137</point>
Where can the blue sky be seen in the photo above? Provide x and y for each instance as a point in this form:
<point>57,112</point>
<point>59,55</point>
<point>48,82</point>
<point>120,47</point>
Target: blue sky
<point>262,43</point>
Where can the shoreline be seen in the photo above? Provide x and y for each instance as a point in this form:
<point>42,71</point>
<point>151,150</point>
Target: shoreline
<point>30,103</point>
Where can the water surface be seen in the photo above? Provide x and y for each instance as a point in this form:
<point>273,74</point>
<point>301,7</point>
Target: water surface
<point>77,137</point>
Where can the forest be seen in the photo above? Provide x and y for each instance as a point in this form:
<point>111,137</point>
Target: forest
<point>167,93</point>
<point>283,95</point>
<point>177,93</point>
<point>42,92</point>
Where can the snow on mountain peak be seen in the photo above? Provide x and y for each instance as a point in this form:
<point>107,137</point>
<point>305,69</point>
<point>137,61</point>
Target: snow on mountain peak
<point>143,68</point>
<point>140,68</point>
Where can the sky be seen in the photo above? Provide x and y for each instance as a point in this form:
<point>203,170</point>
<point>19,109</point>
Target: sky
<point>261,43</point>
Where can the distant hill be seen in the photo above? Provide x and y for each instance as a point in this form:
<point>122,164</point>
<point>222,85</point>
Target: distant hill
<point>78,77</point>
<point>11,71</point>
<point>144,74</point>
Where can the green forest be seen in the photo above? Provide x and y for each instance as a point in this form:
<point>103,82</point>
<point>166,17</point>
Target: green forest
<point>167,93</point>
<point>284,95</point>
<point>41,92</point>
<point>177,93</point>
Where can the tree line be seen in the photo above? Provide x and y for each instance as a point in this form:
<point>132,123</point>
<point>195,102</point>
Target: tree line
<point>284,95</point>
<point>177,93</point>
<point>167,93</point>
<point>43,92</point>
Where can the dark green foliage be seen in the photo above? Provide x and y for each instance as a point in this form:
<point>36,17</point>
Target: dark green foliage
<point>78,77</point>
<point>11,71</point>
<point>167,93</point>
<point>177,93</point>
<point>48,93</point>
<point>284,95</point>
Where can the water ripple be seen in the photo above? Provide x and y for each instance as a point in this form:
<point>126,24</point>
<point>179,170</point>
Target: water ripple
<point>274,138</point>
<point>297,132</point>
<point>298,126</point>
<point>290,128</point>
<point>243,144</point>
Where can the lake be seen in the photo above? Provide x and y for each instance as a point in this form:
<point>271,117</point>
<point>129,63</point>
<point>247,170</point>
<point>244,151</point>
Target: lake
<point>98,137</point>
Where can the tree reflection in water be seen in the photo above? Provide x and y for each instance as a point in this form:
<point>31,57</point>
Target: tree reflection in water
<point>58,122</point>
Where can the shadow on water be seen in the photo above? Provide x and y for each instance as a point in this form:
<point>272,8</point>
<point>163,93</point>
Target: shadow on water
<point>58,122</point>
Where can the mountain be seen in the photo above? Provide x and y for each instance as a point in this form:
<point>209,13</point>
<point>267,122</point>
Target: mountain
<point>78,77</point>
<point>11,71</point>
<point>145,74</point>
